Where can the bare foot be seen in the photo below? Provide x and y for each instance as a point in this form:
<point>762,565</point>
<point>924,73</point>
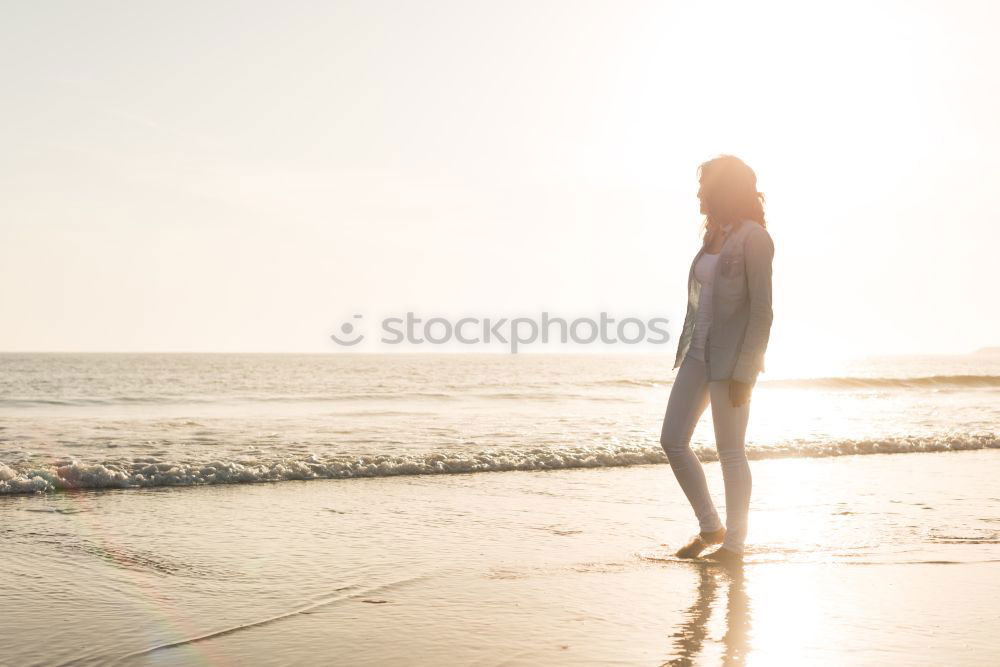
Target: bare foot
<point>725,557</point>
<point>700,542</point>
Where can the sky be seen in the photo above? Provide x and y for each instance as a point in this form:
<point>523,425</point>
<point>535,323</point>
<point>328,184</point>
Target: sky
<point>247,176</point>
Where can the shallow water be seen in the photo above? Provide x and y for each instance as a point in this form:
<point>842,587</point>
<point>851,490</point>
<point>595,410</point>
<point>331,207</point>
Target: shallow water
<point>119,420</point>
<point>852,560</point>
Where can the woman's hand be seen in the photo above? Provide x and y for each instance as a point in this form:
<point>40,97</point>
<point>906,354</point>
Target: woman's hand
<point>739,393</point>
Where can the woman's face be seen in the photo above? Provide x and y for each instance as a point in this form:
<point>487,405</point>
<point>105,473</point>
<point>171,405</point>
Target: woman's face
<point>701,198</point>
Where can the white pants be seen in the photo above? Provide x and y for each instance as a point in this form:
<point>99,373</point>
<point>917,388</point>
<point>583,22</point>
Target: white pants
<point>689,397</point>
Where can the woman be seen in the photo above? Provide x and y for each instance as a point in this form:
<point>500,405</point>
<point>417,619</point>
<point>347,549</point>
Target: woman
<point>721,350</point>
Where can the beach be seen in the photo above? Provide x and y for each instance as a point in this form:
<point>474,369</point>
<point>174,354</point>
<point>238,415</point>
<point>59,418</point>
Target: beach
<point>486,510</point>
<point>344,333</point>
<point>860,560</point>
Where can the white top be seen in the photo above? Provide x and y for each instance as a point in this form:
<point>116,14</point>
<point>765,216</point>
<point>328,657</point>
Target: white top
<point>704,273</point>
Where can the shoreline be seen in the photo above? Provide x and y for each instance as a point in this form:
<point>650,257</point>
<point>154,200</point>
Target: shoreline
<point>151,472</point>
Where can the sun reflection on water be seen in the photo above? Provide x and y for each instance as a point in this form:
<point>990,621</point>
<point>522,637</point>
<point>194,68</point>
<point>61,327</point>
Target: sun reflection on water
<point>712,627</point>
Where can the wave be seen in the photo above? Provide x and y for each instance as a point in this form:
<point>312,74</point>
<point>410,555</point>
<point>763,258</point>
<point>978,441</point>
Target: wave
<point>843,382</point>
<point>152,472</point>
<point>933,381</point>
<point>222,400</point>
<point>553,392</point>
<point>318,398</point>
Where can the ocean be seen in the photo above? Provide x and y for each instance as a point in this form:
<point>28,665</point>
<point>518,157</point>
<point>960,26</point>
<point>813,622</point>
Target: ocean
<point>146,420</point>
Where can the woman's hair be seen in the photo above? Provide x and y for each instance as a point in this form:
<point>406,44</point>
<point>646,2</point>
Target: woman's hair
<point>729,192</point>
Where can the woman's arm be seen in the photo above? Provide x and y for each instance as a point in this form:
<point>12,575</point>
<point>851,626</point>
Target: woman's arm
<point>758,253</point>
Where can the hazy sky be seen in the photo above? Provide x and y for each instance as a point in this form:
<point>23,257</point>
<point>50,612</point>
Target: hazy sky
<point>244,176</point>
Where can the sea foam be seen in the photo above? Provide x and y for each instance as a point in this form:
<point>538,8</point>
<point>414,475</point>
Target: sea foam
<point>32,477</point>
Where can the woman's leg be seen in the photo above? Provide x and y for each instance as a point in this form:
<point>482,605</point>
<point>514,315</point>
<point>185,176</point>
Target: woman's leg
<point>688,399</point>
<point>730,435</point>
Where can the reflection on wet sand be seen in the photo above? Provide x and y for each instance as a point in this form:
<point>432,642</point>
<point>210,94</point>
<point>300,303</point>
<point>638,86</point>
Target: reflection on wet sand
<point>689,639</point>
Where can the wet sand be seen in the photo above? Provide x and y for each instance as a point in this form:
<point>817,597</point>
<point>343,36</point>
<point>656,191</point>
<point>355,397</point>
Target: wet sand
<point>881,559</point>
